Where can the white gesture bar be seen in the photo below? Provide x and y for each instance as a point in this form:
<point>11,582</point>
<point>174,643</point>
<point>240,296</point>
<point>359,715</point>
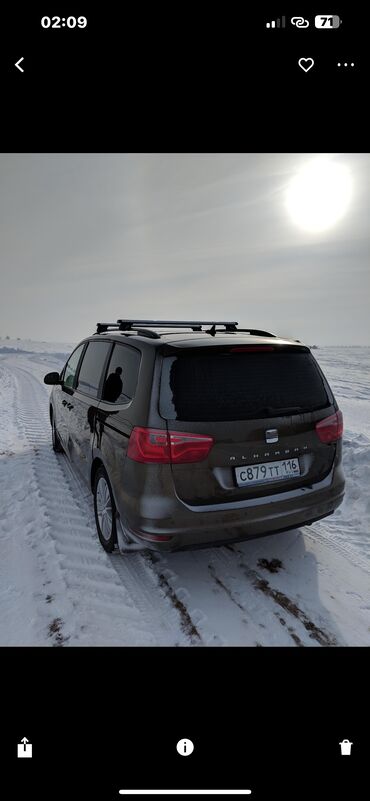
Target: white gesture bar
<point>185,792</point>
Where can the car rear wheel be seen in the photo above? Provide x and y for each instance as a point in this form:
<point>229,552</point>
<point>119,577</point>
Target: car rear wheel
<point>57,447</point>
<point>105,510</point>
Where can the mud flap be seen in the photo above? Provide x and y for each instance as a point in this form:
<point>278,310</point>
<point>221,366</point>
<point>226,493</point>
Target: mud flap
<point>123,540</point>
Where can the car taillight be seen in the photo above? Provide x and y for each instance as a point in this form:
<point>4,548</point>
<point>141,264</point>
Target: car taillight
<point>149,445</point>
<point>189,447</point>
<point>165,447</point>
<point>331,428</point>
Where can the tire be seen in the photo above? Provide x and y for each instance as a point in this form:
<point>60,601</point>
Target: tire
<point>105,510</point>
<point>57,447</point>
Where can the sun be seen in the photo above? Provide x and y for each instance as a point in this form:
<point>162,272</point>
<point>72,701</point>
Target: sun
<point>320,194</point>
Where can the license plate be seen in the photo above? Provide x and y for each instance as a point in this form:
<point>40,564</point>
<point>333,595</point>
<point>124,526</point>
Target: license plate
<point>268,471</point>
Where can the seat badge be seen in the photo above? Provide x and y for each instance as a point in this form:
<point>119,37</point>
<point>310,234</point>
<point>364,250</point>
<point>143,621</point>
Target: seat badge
<point>272,435</point>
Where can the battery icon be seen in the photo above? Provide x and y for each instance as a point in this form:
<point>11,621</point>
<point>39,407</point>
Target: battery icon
<point>327,21</point>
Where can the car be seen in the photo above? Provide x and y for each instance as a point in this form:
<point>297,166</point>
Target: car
<point>194,434</point>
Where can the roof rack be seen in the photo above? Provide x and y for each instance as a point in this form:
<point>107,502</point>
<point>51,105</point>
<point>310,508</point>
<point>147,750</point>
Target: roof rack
<point>195,325</point>
<point>144,327</point>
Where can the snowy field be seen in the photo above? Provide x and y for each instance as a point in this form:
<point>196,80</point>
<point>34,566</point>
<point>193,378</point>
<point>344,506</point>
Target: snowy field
<point>307,587</point>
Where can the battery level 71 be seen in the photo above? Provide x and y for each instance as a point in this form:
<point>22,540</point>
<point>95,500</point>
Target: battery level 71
<point>327,21</point>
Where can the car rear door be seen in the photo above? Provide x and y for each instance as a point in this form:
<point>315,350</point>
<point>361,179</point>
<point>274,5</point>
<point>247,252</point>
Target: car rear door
<point>260,404</point>
<point>81,411</point>
<point>113,418</point>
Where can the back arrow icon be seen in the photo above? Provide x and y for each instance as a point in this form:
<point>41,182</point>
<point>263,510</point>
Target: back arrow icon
<point>17,63</point>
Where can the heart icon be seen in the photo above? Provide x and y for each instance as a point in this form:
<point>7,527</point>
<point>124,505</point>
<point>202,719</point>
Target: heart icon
<point>306,63</point>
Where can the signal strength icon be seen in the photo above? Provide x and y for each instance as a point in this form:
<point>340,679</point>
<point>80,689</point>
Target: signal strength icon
<point>276,23</point>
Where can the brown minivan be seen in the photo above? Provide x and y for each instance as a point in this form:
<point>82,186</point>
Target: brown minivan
<point>197,433</point>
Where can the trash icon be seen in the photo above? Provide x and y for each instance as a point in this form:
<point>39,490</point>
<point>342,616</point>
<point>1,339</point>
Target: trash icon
<point>345,747</point>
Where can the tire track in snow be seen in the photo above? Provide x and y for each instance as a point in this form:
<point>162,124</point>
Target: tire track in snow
<point>231,595</point>
<point>325,533</point>
<point>286,603</point>
<point>322,637</point>
<point>251,612</point>
<point>187,623</point>
<point>212,605</point>
<point>93,602</point>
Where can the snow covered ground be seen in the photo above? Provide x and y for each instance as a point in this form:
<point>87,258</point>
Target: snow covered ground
<point>58,587</point>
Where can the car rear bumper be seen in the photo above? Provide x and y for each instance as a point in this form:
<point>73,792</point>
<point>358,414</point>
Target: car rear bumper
<point>185,526</point>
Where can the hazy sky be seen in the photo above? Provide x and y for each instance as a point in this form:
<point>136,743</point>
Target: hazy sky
<point>87,238</point>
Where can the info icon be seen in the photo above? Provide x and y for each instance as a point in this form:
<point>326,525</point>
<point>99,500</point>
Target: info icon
<point>185,747</point>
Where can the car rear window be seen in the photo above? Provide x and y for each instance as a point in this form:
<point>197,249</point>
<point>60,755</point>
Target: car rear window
<point>92,366</point>
<point>240,386</point>
<point>121,380</point>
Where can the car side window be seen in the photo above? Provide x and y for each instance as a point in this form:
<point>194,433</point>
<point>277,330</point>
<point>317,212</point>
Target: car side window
<point>71,367</point>
<point>122,375</point>
<point>91,370</point>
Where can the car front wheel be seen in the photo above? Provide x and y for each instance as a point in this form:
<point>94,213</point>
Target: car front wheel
<point>105,510</point>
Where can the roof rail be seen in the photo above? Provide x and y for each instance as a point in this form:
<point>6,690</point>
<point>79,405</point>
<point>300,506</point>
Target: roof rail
<point>257,332</point>
<point>147,333</point>
<point>102,328</point>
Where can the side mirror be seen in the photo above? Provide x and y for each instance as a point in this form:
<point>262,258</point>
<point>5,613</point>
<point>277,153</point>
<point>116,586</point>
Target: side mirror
<point>52,378</point>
